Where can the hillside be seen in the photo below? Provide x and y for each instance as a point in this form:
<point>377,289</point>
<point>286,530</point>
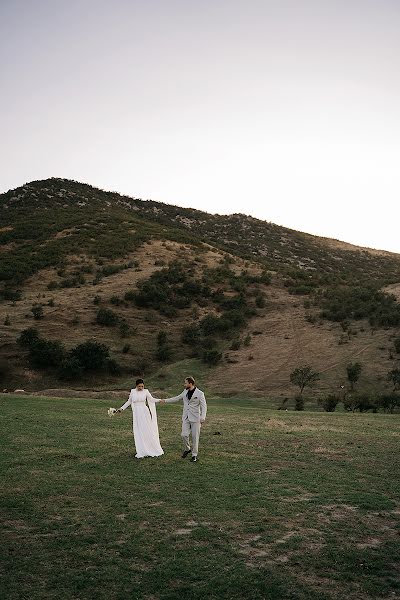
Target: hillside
<point>258,298</point>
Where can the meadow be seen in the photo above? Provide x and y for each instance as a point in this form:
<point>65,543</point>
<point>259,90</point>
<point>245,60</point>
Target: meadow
<point>281,505</point>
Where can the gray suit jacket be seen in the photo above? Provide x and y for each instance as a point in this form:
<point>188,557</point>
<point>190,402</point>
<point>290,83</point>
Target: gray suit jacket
<point>193,409</point>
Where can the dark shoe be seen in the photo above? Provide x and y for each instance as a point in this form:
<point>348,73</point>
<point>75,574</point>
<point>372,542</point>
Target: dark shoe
<point>184,455</point>
<point>193,459</point>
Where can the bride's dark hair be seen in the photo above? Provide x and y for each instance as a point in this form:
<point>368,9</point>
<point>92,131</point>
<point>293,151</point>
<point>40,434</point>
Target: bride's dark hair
<point>138,381</point>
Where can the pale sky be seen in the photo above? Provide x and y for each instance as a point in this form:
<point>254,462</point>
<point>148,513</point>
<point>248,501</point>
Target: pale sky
<point>287,110</point>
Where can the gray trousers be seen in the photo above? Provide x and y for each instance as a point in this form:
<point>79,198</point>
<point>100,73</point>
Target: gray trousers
<point>191,427</point>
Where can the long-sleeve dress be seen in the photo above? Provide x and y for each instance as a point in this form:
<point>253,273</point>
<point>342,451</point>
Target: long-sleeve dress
<point>145,426</point>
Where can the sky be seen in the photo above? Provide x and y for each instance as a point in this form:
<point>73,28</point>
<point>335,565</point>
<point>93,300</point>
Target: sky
<point>285,110</point>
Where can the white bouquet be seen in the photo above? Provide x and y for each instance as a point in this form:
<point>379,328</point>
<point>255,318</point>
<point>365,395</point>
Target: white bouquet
<point>111,411</point>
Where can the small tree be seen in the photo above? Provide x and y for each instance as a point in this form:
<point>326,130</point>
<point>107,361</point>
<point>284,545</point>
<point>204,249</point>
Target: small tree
<point>299,402</point>
<point>353,373</point>
<point>7,321</point>
<point>304,377</point>
<point>394,377</point>
<point>397,345</point>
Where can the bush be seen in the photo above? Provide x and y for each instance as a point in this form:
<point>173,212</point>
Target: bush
<point>124,329</point>
<point>299,402</point>
<point>46,353</point>
<point>163,353</point>
<point>162,338</point>
<point>11,295</point>
<point>330,403</point>
<point>353,373</point>
<point>70,368</point>
<point>28,337</point>
<point>236,343</point>
<point>130,296</point>
<point>389,402</point>
<point>5,369</point>
<point>106,317</point>
<point>361,402</point>
<point>7,321</point>
<point>113,367</point>
<point>191,335</point>
<point>247,340</point>
<point>37,311</point>
<point>212,357</point>
<point>344,303</point>
<point>397,345</point>
<point>91,355</point>
<point>126,348</point>
<point>260,301</point>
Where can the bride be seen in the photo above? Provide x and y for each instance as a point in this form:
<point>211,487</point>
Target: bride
<point>145,427</point>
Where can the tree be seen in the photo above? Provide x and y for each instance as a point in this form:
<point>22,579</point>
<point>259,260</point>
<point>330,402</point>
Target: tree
<point>394,377</point>
<point>353,373</point>
<point>304,377</point>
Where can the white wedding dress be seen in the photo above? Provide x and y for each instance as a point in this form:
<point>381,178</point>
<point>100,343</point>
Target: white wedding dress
<point>145,426</point>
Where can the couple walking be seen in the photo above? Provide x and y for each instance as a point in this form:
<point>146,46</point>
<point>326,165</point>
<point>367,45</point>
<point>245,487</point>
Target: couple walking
<point>145,427</point>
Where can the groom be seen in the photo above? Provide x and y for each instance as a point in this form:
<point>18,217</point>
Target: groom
<point>194,414</point>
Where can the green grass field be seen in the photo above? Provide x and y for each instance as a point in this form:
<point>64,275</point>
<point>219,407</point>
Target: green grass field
<point>282,505</point>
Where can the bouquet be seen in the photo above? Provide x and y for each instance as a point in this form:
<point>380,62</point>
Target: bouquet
<point>111,411</point>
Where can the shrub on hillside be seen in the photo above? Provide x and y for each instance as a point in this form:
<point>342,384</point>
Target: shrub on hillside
<point>91,355</point>
<point>70,369</point>
<point>46,353</point>
<point>344,303</point>
<point>10,295</point>
<point>191,335</point>
<point>37,311</point>
<point>361,402</point>
<point>107,317</point>
<point>212,357</point>
<point>299,402</point>
<point>329,403</point>
<point>28,337</point>
<point>389,402</point>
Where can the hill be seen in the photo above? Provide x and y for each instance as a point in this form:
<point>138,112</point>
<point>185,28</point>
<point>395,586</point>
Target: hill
<point>238,300</point>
